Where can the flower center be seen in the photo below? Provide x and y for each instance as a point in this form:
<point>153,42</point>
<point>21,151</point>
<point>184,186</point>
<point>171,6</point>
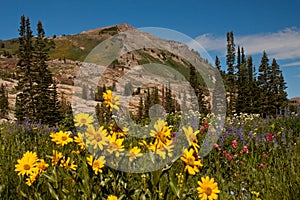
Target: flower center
<point>96,164</point>
<point>98,138</point>
<point>64,138</point>
<point>26,167</point>
<point>191,161</point>
<point>208,191</point>
<point>83,121</point>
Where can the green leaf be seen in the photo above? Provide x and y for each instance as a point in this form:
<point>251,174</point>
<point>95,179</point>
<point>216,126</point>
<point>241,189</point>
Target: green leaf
<point>175,189</point>
<point>52,191</point>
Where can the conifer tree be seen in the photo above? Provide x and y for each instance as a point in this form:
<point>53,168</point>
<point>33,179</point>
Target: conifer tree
<point>198,89</point>
<point>140,109</point>
<point>26,75</point>
<point>3,101</point>
<point>264,84</point>
<point>282,94</point>
<point>37,95</point>
<point>66,114</point>
<point>55,116</point>
<point>279,96</point>
<point>231,80</point>
<point>147,103</point>
<point>242,86</point>
<point>170,105</point>
<point>218,63</point>
<point>46,94</point>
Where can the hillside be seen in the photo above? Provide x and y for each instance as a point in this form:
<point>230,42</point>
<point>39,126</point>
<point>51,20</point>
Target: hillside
<point>72,55</point>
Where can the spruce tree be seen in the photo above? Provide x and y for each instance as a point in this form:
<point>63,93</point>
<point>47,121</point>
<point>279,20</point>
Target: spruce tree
<point>251,87</point>
<point>140,113</point>
<point>37,97</point>
<point>46,94</point>
<point>147,103</point>
<point>170,105</point>
<point>3,101</point>
<point>231,79</point>
<point>264,84</point>
<point>199,91</point>
<point>242,83</point>
<point>279,96</point>
<point>282,94</point>
<point>26,75</point>
<point>217,63</point>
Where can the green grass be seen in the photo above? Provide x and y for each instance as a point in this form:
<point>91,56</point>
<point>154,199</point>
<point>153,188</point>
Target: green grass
<point>275,176</point>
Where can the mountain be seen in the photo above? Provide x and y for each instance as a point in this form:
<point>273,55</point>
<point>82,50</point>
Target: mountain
<point>72,55</point>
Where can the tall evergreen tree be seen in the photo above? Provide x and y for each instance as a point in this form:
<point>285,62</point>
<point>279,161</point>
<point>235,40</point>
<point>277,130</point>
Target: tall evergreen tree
<point>243,57</point>
<point>282,94</point>
<point>264,84</point>
<point>279,96</point>
<point>26,75</point>
<point>198,89</point>
<point>218,63</point>
<point>242,83</point>
<point>46,94</point>
<point>231,80</point>
<point>36,98</point>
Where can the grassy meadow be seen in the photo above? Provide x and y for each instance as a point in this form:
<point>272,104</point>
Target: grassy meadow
<point>255,158</point>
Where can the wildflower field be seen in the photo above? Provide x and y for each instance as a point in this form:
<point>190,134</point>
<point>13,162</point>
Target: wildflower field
<point>254,158</point>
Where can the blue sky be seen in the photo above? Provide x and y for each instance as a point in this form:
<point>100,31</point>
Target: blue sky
<point>270,25</point>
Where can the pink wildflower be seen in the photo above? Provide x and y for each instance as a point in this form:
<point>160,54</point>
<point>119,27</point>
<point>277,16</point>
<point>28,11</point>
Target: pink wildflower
<point>216,146</point>
<point>245,150</point>
<point>234,144</point>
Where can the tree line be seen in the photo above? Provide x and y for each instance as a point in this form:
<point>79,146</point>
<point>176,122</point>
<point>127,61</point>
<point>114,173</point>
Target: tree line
<point>250,90</point>
<point>37,98</point>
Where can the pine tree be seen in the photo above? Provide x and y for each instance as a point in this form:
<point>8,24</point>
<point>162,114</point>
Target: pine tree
<point>26,75</point>
<point>231,80</point>
<point>199,91</point>
<point>36,98</point>
<point>250,89</point>
<point>140,109</point>
<point>279,96</point>
<point>170,105</point>
<point>242,82</point>
<point>217,63</point>
<point>3,101</point>
<point>147,103</point>
<point>55,116</point>
<point>282,94</point>
<point>67,114</point>
<point>243,57</point>
<point>264,85</point>
<point>218,66</point>
<point>46,94</point>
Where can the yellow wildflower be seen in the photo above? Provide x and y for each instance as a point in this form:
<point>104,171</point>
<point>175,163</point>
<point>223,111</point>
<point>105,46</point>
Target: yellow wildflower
<point>97,165</point>
<point>208,189</point>
<point>110,100</point>
<point>192,165</point>
<point>61,138</point>
<point>27,163</point>
<point>83,119</point>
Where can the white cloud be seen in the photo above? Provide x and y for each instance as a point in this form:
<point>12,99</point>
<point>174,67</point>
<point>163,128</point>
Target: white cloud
<point>292,64</point>
<point>284,44</point>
